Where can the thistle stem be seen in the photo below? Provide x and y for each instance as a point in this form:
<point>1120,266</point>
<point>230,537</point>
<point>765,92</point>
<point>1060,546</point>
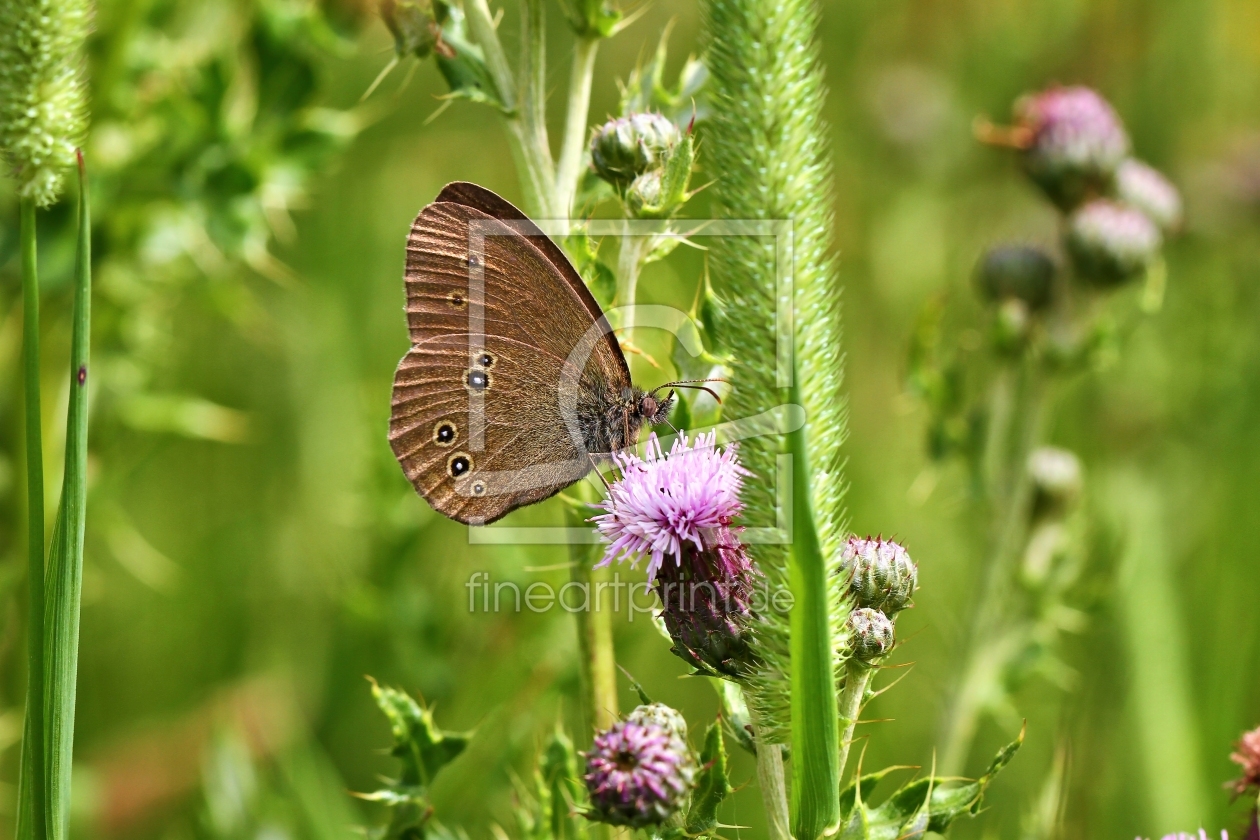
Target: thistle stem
<point>771,780</point>
<point>629,266</point>
<point>536,181</point>
<point>598,666</point>
<point>1022,420</point>
<point>533,99</point>
<point>33,746</point>
<point>569,169</point>
<point>857,679</point>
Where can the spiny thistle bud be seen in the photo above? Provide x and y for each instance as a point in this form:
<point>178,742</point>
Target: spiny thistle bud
<point>624,148</point>
<point>1056,479</point>
<point>870,634</point>
<point>882,576</point>
<point>640,771</point>
<point>1111,242</point>
<point>1017,271</point>
<point>1247,756</point>
<point>416,26</point>
<point>705,601</point>
<point>1145,188</point>
<point>43,104</point>
<point>658,714</point>
<point>1075,142</point>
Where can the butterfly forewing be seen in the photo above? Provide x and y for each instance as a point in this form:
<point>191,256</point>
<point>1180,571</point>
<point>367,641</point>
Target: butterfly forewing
<point>484,417</point>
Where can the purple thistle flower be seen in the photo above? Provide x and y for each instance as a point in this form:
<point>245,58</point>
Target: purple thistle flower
<point>1075,142</point>
<point>1181,835</point>
<point>662,502</point>
<point>679,510</point>
<point>640,771</point>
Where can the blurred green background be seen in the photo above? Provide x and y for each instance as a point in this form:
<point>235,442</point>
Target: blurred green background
<point>253,550</point>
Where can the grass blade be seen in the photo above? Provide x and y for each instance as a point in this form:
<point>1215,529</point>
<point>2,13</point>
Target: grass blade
<point>65,560</point>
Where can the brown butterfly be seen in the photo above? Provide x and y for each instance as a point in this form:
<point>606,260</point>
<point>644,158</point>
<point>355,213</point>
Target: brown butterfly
<point>514,382</point>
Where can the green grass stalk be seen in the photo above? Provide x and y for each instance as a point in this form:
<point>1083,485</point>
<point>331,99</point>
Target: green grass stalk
<point>32,796</point>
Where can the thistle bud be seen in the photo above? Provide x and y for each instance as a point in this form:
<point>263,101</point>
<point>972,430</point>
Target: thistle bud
<point>640,771</point>
<point>870,634</point>
<point>1111,242</point>
<point>1017,271</point>
<point>43,104</point>
<point>1056,479</point>
<point>658,714</point>
<point>1247,756</point>
<point>882,576</point>
<point>416,26</point>
<point>1146,189</point>
<point>705,602</point>
<point>1075,142</point>
<point>622,149</point>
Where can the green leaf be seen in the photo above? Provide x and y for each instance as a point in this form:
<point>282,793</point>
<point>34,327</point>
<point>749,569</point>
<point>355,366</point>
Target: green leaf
<point>423,748</point>
<point>464,67</point>
<point>591,18</point>
<point>558,775</point>
<point>599,278</point>
<point>712,786</point>
<point>923,805</point>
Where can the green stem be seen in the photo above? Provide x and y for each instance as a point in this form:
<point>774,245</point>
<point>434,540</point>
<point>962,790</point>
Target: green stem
<point>771,780</point>
<point>598,664</point>
<point>629,266</point>
<point>65,565</point>
<point>1020,429</point>
<point>569,169</point>
<point>533,99</point>
<point>536,185</point>
<point>33,747</point>
<point>857,679</point>
<point>815,726</point>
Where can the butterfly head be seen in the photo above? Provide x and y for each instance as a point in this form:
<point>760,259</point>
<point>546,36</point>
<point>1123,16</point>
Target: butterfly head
<point>654,410</point>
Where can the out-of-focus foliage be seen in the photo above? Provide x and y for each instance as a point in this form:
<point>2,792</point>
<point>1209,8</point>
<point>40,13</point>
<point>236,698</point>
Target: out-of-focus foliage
<point>238,592</point>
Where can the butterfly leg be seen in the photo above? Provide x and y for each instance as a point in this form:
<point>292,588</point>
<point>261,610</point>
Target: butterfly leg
<point>595,467</point>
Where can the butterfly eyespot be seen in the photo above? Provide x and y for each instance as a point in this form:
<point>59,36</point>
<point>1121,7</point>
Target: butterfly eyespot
<point>457,300</point>
<point>458,464</point>
<point>444,433</point>
<point>477,380</point>
<point>474,260</point>
<point>479,488</point>
<point>486,360</point>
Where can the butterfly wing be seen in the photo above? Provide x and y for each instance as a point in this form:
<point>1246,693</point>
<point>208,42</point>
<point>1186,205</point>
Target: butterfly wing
<point>506,360</point>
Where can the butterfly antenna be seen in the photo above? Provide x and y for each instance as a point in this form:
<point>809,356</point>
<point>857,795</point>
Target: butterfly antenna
<point>692,384</point>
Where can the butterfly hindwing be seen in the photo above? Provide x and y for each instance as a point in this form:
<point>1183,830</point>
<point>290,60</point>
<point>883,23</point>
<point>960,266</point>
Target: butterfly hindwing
<point>504,350</point>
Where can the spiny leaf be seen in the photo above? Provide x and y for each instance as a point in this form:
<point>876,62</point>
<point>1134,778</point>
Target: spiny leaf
<point>423,748</point>
<point>712,786</point>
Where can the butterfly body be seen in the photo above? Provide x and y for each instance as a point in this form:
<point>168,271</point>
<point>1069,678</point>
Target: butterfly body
<point>514,385</point>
